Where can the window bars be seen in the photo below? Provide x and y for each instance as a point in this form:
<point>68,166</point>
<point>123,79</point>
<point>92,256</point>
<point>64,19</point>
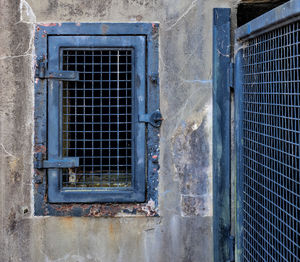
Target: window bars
<point>97,117</point>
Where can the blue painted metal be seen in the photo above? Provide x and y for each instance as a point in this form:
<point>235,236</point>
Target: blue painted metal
<point>152,92</point>
<point>280,15</point>
<point>62,75</point>
<point>267,117</point>
<point>146,40</point>
<point>42,73</point>
<point>238,120</point>
<point>105,29</point>
<point>137,192</point>
<point>66,162</point>
<point>221,135</point>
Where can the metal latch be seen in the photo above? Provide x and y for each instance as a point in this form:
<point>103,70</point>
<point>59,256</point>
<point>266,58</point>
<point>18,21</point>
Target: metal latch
<point>66,162</point>
<point>43,73</point>
<point>154,118</point>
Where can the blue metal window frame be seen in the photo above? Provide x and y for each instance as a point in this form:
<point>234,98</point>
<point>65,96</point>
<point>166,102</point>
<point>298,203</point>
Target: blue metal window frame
<point>145,188</point>
<point>136,193</point>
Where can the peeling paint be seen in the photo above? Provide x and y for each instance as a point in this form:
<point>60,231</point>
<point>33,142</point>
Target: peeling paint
<point>191,153</point>
<point>150,208</point>
<point>40,148</point>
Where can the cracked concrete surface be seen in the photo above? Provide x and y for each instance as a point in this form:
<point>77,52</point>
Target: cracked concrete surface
<point>183,232</point>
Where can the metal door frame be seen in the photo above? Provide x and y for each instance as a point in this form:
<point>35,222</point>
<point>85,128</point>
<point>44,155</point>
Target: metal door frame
<point>221,136</point>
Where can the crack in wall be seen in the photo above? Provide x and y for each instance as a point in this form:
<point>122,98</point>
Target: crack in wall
<point>8,153</point>
<point>185,13</point>
<point>25,7</point>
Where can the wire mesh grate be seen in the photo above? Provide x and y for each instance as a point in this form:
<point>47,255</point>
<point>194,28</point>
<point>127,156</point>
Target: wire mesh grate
<point>271,137</point>
<point>97,117</point>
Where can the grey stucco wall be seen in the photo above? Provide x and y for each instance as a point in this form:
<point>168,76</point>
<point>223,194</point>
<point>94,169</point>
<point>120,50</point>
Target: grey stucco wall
<point>183,232</point>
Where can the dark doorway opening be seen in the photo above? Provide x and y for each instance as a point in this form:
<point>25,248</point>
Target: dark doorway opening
<point>250,9</point>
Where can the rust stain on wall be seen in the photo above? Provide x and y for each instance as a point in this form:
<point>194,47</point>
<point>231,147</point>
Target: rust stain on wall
<point>67,223</point>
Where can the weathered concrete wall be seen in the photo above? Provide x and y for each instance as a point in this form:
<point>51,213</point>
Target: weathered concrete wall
<point>183,232</point>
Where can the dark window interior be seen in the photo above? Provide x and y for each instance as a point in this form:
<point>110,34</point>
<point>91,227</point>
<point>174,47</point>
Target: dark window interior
<point>97,117</point>
<point>250,9</point>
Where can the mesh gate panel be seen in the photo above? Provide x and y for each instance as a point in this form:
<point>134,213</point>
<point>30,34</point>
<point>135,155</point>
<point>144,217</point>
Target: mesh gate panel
<point>271,137</point>
<point>97,118</point>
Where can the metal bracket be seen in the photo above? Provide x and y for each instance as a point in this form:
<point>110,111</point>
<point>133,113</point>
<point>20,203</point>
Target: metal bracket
<point>154,118</point>
<point>42,73</point>
<point>66,162</point>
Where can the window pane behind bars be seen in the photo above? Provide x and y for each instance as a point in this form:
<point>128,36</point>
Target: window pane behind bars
<point>97,118</point>
<point>271,133</point>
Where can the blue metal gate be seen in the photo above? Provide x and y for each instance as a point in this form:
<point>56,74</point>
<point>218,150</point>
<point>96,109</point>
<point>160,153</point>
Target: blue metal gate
<point>267,100</point>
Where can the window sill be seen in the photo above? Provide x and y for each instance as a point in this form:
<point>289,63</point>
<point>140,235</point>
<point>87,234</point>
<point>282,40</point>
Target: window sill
<point>102,210</point>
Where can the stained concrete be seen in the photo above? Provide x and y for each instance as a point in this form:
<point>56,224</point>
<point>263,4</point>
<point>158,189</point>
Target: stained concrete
<point>183,232</point>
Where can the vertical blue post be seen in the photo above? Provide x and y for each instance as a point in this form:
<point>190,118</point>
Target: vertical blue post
<point>238,120</point>
<point>221,135</point>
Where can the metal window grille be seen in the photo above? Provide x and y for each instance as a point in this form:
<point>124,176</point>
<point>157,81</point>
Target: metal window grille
<point>97,113</point>
<point>97,118</point>
<point>271,141</point>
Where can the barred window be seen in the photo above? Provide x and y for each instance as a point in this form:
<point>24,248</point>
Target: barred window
<point>98,115</point>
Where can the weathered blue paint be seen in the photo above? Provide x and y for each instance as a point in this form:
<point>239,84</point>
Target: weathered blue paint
<point>152,91</point>
<point>43,73</point>
<point>272,19</point>
<point>135,193</point>
<point>238,148</point>
<point>65,162</point>
<point>144,37</point>
<point>97,28</point>
<point>221,135</point>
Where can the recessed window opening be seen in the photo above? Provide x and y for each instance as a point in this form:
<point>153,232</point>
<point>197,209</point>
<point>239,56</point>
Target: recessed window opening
<point>97,118</point>
<point>100,121</point>
<point>249,9</point>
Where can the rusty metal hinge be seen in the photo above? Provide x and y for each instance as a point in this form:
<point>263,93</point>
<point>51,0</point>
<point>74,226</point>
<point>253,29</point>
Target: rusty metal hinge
<point>42,73</point>
<point>154,118</point>
<point>66,162</point>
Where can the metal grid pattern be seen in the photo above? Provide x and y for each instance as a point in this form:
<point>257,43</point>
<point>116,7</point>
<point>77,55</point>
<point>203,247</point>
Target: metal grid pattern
<point>271,137</point>
<point>97,118</point>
